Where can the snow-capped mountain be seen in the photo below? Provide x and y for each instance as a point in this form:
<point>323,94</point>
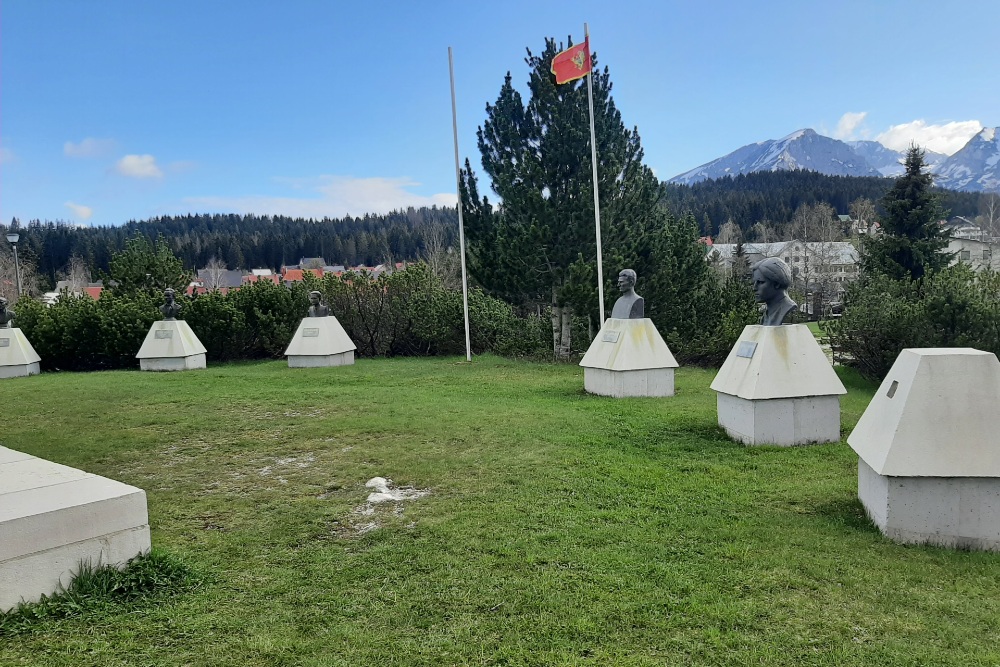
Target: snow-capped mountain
<point>804,149</point>
<point>889,162</point>
<point>975,168</point>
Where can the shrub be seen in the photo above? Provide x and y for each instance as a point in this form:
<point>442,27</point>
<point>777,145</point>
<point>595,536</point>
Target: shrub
<point>708,337</point>
<point>78,333</point>
<point>408,312</point>
<point>954,307</point>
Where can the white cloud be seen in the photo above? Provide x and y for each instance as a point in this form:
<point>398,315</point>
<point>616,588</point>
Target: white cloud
<point>848,125</point>
<point>6,155</point>
<point>335,197</point>
<point>89,147</point>
<point>139,166</point>
<point>947,138</point>
<point>79,210</point>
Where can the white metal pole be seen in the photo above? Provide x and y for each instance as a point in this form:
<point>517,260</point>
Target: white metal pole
<point>461,226</point>
<point>17,272</point>
<point>593,161</point>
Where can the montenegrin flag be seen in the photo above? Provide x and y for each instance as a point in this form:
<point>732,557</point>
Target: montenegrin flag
<point>573,63</point>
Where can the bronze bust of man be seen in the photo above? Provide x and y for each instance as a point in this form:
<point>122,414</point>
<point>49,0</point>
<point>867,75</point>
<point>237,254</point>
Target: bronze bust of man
<point>170,308</point>
<point>771,279</point>
<point>317,308</point>
<point>629,306</point>
<point>6,315</point>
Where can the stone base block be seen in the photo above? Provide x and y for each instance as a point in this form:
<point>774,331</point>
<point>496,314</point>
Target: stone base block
<point>320,360</point>
<point>189,363</point>
<point>53,517</point>
<point>28,579</point>
<point>958,512</point>
<point>785,422</point>
<point>19,370</point>
<point>649,382</point>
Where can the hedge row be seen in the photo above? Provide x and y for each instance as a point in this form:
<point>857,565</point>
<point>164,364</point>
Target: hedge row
<point>407,312</point>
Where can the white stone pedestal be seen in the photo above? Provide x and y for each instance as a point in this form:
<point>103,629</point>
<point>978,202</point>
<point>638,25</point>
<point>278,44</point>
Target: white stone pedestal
<point>52,517</point>
<point>320,341</point>
<point>17,357</point>
<point>629,358</point>
<point>778,388</point>
<point>928,448</point>
<point>171,345</point>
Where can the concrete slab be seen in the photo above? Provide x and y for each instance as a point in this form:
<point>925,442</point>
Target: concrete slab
<point>29,577</point>
<point>52,517</point>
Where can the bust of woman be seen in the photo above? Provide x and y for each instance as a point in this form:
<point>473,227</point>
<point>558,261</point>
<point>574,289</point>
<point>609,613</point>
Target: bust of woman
<point>771,279</point>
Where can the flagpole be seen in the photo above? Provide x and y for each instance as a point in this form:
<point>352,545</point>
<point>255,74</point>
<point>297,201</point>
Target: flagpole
<point>593,161</point>
<point>461,226</point>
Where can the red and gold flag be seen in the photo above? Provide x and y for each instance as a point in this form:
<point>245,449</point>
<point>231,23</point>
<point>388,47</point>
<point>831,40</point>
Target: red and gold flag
<point>573,63</point>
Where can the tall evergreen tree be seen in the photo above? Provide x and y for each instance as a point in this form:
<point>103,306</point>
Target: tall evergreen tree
<point>146,267</point>
<point>539,245</point>
<point>912,243</point>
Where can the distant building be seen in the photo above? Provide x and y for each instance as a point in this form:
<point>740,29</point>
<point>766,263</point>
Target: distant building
<point>817,265</point>
<point>977,254</point>
<point>963,228</point>
<point>218,279</point>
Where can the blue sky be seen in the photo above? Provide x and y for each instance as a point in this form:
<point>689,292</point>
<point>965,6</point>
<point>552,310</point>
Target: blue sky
<point>112,110</point>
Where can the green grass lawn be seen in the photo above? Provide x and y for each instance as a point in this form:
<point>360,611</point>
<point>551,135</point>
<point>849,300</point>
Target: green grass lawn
<point>560,528</point>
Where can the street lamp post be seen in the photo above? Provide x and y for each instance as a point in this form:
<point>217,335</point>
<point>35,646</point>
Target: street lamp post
<point>13,237</point>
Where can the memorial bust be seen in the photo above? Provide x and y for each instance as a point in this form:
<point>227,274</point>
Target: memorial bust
<point>170,308</point>
<point>6,315</point>
<point>629,306</point>
<point>317,308</point>
<point>771,279</point>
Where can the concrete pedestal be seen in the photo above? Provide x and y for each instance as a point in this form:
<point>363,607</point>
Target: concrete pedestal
<point>320,361</point>
<point>929,458</point>
<point>171,345</point>
<point>629,358</point>
<point>319,342</point>
<point>652,382</point>
<point>959,512</point>
<point>17,357</point>
<point>777,388</point>
<point>53,517</point>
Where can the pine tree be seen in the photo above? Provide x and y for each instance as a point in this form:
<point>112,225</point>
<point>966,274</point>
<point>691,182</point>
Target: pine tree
<point>540,244</point>
<point>912,243</point>
<point>146,267</point>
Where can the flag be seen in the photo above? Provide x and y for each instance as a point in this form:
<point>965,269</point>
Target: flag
<point>573,63</point>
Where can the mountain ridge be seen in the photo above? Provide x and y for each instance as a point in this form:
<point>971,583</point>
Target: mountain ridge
<point>974,168</point>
